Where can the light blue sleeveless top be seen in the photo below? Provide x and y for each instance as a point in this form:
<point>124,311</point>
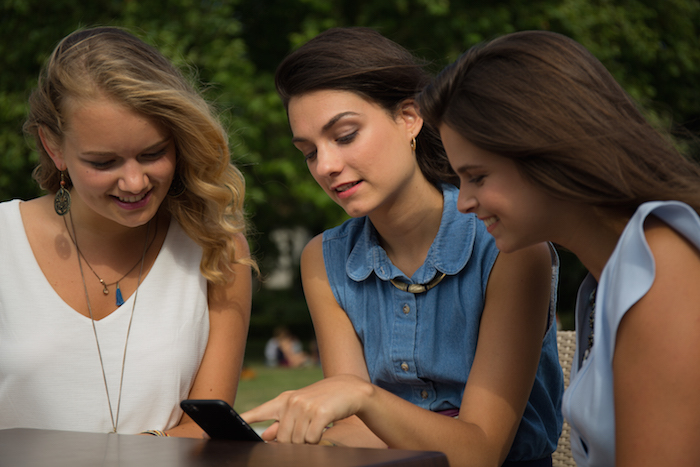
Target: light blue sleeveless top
<point>421,346</point>
<point>628,275</point>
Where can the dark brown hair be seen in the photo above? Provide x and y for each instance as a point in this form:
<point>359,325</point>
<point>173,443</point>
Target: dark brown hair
<point>362,61</point>
<point>543,100</point>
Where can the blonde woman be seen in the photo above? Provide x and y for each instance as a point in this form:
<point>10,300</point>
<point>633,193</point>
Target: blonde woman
<point>126,288</point>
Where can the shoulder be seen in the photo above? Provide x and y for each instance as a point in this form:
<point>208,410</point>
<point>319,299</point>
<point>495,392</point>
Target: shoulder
<point>38,216</point>
<point>673,252</point>
<point>525,266</point>
<point>41,207</point>
<point>313,251</point>
<point>654,227</point>
<point>242,248</point>
<point>349,228</point>
<point>656,263</point>
<point>349,242</point>
<point>10,209</point>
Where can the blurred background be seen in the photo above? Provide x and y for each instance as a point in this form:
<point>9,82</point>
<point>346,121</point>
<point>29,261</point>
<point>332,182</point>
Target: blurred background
<point>232,47</point>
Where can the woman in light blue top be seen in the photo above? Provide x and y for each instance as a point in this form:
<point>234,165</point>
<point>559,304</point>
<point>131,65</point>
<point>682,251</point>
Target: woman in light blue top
<point>550,148</point>
<point>416,313</point>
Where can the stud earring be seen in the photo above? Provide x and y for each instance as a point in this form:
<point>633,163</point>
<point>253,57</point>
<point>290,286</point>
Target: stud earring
<point>61,202</point>
<point>413,144</point>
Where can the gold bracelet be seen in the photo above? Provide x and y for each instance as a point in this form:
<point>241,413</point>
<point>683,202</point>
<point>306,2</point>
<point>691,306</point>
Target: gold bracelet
<point>155,433</point>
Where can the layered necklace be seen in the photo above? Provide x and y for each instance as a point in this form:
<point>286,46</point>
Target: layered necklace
<point>146,246</point>
<point>105,290</point>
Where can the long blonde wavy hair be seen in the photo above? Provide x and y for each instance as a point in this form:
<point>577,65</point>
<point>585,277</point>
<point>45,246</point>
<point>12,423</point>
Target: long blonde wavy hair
<point>108,61</point>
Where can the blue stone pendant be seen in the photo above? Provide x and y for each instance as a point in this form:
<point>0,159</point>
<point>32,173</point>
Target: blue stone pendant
<point>120,299</point>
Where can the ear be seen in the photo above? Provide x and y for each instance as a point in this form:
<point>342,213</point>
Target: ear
<point>411,118</point>
<point>48,140</point>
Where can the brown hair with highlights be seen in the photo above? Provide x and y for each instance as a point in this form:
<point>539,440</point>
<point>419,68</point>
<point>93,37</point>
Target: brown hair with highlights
<point>543,100</point>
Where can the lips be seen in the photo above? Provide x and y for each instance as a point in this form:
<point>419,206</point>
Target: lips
<point>345,187</point>
<point>132,199</point>
<point>489,221</point>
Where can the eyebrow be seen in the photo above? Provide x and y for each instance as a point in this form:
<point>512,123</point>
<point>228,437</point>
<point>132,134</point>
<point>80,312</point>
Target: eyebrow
<point>149,148</point>
<point>467,168</point>
<point>329,124</point>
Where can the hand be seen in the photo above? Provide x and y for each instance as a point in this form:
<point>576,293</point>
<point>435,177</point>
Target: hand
<point>302,415</point>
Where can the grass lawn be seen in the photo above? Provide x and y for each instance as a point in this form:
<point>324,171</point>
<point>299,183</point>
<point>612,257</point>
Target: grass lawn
<point>265,383</point>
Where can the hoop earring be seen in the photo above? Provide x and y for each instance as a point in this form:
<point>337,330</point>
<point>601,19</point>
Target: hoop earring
<point>61,202</point>
<point>413,144</point>
<point>177,186</point>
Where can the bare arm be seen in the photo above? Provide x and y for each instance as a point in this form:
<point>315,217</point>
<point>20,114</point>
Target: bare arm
<point>495,397</point>
<point>510,339</point>
<point>339,346</point>
<point>229,316</point>
<point>655,366</point>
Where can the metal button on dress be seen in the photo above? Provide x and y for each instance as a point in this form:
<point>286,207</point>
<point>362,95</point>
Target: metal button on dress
<point>406,309</point>
<point>404,366</point>
<point>424,394</point>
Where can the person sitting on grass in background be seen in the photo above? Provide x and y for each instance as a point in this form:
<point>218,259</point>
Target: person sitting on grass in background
<point>429,337</point>
<point>549,147</point>
<point>285,349</point>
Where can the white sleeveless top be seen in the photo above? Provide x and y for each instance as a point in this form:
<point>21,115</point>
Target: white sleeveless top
<point>50,374</point>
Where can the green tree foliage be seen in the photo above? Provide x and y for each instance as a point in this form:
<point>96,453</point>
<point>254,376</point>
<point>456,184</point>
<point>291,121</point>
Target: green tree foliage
<point>233,46</point>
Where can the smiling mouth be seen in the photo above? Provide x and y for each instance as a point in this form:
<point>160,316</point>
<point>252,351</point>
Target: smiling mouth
<point>132,199</point>
<point>490,221</point>
<point>346,187</point>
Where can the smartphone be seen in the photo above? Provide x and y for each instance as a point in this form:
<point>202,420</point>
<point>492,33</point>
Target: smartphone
<point>219,420</point>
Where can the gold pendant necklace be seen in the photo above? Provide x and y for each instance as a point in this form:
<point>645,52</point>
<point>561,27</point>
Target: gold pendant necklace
<point>115,421</point>
<point>105,290</point>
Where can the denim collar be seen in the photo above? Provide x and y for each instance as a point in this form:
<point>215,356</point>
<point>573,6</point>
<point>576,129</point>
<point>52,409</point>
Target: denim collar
<point>449,252</point>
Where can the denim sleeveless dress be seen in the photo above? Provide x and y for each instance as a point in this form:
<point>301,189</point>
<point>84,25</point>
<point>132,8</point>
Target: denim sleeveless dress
<point>421,347</point>
<point>628,275</point>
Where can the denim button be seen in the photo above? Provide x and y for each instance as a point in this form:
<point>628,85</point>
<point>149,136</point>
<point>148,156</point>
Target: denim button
<point>404,366</point>
<point>406,309</point>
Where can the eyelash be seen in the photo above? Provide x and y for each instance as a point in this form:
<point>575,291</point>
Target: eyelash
<point>347,139</point>
<point>101,165</point>
<point>477,180</point>
<point>157,154</point>
<point>107,164</point>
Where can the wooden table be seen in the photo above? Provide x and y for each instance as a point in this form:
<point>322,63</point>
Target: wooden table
<point>24,447</point>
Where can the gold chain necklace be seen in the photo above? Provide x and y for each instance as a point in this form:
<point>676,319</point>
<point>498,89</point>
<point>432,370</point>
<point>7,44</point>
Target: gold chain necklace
<point>115,421</point>
<point>105,290</point>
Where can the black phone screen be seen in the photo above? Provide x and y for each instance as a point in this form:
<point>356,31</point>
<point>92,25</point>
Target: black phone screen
<point>218,419</point>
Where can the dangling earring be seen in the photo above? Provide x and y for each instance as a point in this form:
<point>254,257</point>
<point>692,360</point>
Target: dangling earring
<point>61,202</point>
<point>413,144</point>
<point>177,186</point>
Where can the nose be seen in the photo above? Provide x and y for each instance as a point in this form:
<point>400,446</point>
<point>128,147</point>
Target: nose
<point>328,162</point>
<point>133,178</point>
<point>466,202</point>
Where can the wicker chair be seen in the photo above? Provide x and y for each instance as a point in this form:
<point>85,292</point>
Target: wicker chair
<point>566,343</point>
